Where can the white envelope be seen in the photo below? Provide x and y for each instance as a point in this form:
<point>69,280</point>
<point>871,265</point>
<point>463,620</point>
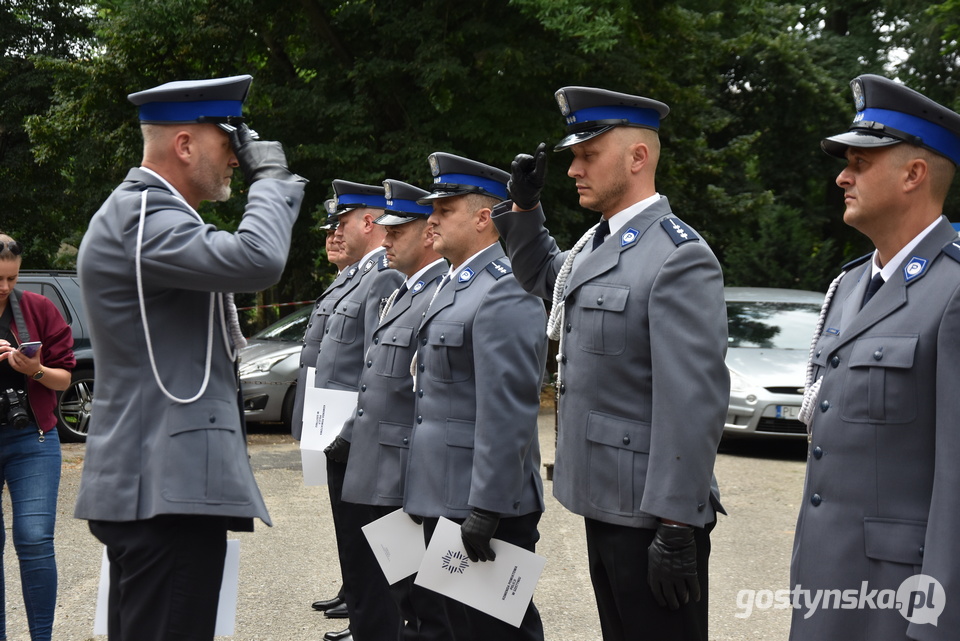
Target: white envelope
<point>226,607</point>
<point>397,544</point>
<point>501,588</point>
<point>324,413</point>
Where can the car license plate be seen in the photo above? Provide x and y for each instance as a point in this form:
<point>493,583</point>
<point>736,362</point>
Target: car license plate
<point>788,412</point>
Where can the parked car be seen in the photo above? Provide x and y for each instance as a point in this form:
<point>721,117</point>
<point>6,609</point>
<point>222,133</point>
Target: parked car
<point>768,344</point>
<point>76,402</point>
<point>268,369</point>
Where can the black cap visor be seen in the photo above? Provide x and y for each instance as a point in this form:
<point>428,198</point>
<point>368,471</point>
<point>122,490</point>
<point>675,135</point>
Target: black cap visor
<point>837,145</point>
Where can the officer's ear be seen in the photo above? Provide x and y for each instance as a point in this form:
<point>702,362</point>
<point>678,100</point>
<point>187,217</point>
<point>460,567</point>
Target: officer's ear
<point>484,220</point>
<point>916,172</point>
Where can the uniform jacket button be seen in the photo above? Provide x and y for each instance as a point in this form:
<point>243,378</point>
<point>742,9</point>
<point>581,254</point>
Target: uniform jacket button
<point>420,393</point>
<point>406,441</point>
<point>213,419</point>
<point>359,411</point>
<point>363,388</point>
<point>816,499</point>
<point>817,452</point>
<point>376,341</point>
<point>835,361</point>
<point>421,367</point>
<point>563,388</point>
<point>419,420</point>
<point>878,355</point>
<point>824,406</point>
<point>569,328</point>
<point>626,440</point>
<point>369,364</point>
<point>701,507</point>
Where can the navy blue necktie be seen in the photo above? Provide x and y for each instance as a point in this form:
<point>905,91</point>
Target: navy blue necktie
<point>872,287</point>
<point>603,230</point>
<point>400,292</point>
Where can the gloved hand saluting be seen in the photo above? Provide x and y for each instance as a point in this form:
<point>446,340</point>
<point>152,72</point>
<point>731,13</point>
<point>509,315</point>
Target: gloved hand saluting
<point>259,158</point>
<point>476,533</point>
<point>527,176</point>
<point>672,566</point>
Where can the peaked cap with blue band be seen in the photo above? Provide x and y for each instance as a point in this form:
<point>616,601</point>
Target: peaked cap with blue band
<point>218,100</point>
<point>350,196</point>
<point>591,112</point>
<point>456,176</point>
<point>889,113</point>
<point>330,207</point>
<point>402,204</point>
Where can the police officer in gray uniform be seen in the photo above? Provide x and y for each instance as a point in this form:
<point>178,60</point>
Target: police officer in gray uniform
<point>166,471</point>
<point>475,455</point>
<point>377,437</point>
<point>353,315</point>
<point>878,535</point>
<point>643,389</point>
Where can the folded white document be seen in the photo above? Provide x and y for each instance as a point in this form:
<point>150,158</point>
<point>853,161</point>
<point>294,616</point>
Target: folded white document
<point>397,544</point>
<point>324,413</point>
<point>226,607</point>
<point>501,588</point>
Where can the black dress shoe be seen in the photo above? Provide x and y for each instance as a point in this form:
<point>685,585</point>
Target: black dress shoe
<point>323,606</point>
<point>336,612</point>
<point>342,635</point>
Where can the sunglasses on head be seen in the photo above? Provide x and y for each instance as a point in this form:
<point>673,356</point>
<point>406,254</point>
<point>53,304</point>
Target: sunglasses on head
<point>15,248</point>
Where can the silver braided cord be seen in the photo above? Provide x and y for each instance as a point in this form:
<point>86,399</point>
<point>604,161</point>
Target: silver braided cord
<point>555,322</point>
<point>812,388</point>
<point>233,322</point>
<point>388,304</point>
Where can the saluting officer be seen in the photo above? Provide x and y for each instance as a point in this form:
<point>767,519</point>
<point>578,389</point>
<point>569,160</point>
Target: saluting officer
<point>880,498</point>
<point>639,311</point>
<point>475,454</point>
<point>377,437</point>
<point>353,312</point>
<point>166,472</point>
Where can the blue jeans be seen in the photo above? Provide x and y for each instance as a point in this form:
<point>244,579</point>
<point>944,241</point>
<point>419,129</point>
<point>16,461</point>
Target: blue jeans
<point>31,471</point>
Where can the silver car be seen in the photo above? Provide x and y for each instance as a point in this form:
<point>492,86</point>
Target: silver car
<point>768,344</point>
<point>268,369</point>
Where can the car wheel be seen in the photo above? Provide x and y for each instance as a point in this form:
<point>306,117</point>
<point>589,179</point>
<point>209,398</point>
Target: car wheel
<point>286,412</point>
<point>74,406</point>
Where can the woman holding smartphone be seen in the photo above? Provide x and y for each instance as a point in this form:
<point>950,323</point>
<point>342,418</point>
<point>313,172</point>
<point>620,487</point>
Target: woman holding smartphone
<point>29,445</point>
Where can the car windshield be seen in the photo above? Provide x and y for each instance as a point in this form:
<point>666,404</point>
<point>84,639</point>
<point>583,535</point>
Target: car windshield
<point>770,325</point>
<point>288,328</point>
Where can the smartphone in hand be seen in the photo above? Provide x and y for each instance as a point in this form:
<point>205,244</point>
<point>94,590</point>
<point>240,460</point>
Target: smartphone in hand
<point>30,349</point>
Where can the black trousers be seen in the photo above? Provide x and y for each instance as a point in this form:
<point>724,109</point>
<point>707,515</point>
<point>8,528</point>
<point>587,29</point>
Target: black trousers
<point>469,624</point>
<point>165,576</point>
<point>627,608</point>
<point>374,615</point>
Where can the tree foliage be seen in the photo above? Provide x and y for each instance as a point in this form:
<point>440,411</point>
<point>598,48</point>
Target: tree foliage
<point>366,89</point>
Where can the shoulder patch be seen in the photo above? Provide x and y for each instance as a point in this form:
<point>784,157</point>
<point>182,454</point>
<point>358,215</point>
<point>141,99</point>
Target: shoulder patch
<point>678,230</point>
<point>499,269</point>
<point>382,264</point>
<point>953,250</point>
<point>856,261</point>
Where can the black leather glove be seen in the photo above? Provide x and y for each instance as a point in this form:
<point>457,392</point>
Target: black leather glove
<point>672,566</point>
<point>260,158</point>
<point>476,533</point>
<point>416,519</point>
<point>527,176</point>
<point>338,451</point>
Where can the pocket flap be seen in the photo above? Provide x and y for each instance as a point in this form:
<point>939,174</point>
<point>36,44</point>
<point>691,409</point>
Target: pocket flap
<point>203,414</point>
<point>460,433</point>
<point>399,336</point>
<point>618,432</point>
<point>395,434</point>
<point>894,540</point>
<point>349,308</point>
<point>609,297</point>
<point>445,334</point>
<point>884,351</point>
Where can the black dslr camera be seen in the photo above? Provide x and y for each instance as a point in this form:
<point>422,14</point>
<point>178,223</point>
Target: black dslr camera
<point>13,408</point>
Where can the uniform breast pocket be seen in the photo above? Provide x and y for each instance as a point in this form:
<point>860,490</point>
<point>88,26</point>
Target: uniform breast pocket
<point>205,461</point>
<point>600,320</point>
<point>879,385</point>
<point>446,359</point>
<point>394,352</point>
<point>618,451</point>
<point>343,324</point>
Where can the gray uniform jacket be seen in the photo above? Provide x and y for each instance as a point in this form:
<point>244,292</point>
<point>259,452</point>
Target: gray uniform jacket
<point>353,313</point>
<point>311,344</point>
<point>379,431</point>
<point>482,350</point>
<point>644,388</point>
<point>880,500</point>
<point>146,454</point>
